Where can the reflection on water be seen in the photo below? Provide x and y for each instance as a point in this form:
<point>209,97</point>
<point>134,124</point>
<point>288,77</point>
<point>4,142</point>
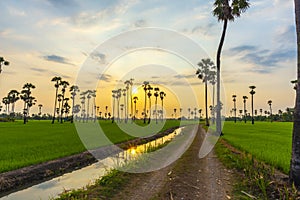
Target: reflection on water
<point>87,175</point>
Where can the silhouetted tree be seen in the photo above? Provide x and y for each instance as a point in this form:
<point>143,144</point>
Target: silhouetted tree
<point>57,81</point>
<point>252,92</point>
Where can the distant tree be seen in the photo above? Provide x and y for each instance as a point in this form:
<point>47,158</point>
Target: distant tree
<point>40,109</point>
<point>270,105</point>
<point>149,94</point>
<point>204,73</point>
<point>225,12</point>
<point>3,62</point>
<point>234,106</point>
<point>28,99</point>
<point>175,113</point>
<point>156,94</point>
<point>13,97</point>
<point>135,99</point>
<point>162,95</point>
<point>57,81</point>
<point>145,87</point>
<point>189,113</point>
<point>252,92</point>
<point>200,110</point>
<point>74,89</point>
<point>6,102</point>
<point>245,111</point>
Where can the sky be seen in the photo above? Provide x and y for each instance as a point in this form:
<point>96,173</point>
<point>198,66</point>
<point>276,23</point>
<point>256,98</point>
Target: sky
<point>103,43</point>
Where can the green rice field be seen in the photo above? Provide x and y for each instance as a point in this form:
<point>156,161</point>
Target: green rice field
<point>39,141</point>
<point>266,141</point>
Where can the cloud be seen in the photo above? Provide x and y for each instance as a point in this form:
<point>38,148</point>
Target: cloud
<point>38,69</point>
<point>98,57</point>
<point>264,60</point>
<point>62,3</point>
<point>140,23</point>
<point>58,59</point>
<point>105,77</point>
<point>187,76</point>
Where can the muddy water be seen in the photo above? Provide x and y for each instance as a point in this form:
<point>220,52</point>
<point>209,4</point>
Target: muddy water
<point>87,175</point>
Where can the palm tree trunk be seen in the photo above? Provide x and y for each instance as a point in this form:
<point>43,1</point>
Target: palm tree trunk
<point>24,113</point>
<point>114,102</point>
<point>73,104</point>
<point>162,109</point>
<point>206,109</point>
<point>145,107</point>
<point>149,110</point>
<point>55,102</point>
<point>156,109</point>
<point>252,108</point>
<point>218,76</point>
<point>295,159</point>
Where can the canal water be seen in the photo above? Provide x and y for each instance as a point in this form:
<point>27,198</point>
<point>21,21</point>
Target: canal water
<point>87,175</point>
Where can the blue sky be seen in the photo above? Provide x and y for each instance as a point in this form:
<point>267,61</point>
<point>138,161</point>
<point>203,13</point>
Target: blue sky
<point>42,39</point>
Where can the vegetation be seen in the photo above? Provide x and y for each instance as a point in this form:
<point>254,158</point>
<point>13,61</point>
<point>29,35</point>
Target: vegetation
<point>268,142</point>
<point>257,180</point>
<point>26,145</point>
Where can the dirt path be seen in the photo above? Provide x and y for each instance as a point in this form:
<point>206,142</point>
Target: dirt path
<point>187,178</point>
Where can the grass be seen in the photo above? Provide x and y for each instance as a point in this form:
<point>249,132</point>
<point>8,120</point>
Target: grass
<point>39,141</point>
<point>268,142</point>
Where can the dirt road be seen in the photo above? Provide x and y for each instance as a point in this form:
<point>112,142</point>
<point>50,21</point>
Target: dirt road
<point>188,178</point>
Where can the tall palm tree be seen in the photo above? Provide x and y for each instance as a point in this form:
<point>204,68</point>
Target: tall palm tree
<point>175,113</point>
<point>40,109</point>
<point>295,158</point>
<point>162,95</point>
<point>204,72</point>
<point>131,103</point>
<point>200,111</point>
<point>234,106</point>
<point>94,107</point>
<point>189,111</point>
<point>119,95</point>
<point>114,96</point>
<point>156,94</point>
<point>59,99</point>
<point>149,94</point>
<point>195,113</point>
<point>225,12</point>
<point>122,108</point>
<point>252,92</point>
<point>73,89</point>
<point>6,102</point>
<point>127,86</point>
<point>64,85</point>
<point>83,107</point>
<point>270,105</point>
<point>106,107</point>
<point>3,62</point>
<point>125,105</point>
<point>135,99</point>
<point>13,97</point>
<point>57,81</point>
<point>245,111</point>
<point>28,99</point>
<point>145,86</point>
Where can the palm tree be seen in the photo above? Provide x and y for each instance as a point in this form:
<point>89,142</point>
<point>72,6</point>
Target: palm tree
<point>225,12</point>
<point>40,109</point>
<point>189,111</point>
<point>114,96</point>
<point>195,113</point>
<point>180,110</point>
<point>162,95</point>
<point>131,103</point>
<point>122,108</point>
<point>119,94</point>
<point>245,111</point>
<point>156,94</point>
<point>93,94</point>
<point>13,97</point>
<point>149,94</point>
<point>106,107</point>
<point>64,85</point>
<point>57,81</point>
<point>145,86</point>
<point>3,62</point>
<point>175,113</point>
<point>125,105</point>
<point>73,89</point>
<point>28,99</point>
<point>83,109</point>
<point>252,92</point>
<point>234,106</point>
<point>270,105</point>
<point>135,99</point>
<point>59,99</point>
<point>6,102</point>
<point>212,80</point>
<point>127,86</point>
<point>204,72</point>
<point>200,111</point>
